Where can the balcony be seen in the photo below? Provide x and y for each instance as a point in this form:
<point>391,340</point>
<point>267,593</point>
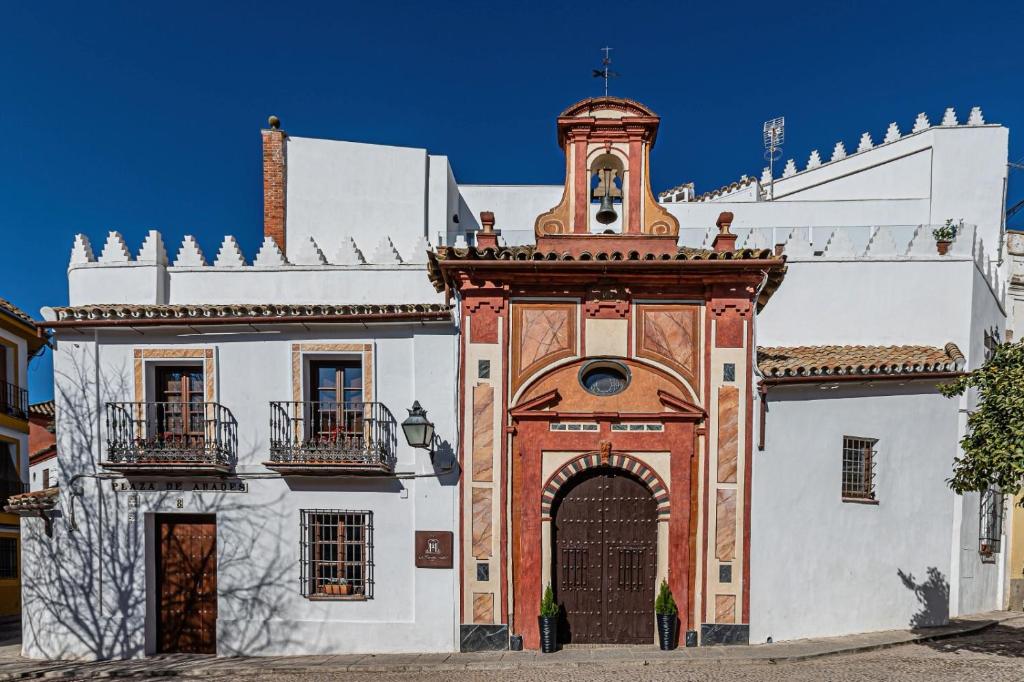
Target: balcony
<point>13,400</point>
<point>329,438</point>
<point>170,438</point>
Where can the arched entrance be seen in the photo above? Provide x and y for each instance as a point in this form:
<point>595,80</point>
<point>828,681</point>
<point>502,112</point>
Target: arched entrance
<point>604,541</point>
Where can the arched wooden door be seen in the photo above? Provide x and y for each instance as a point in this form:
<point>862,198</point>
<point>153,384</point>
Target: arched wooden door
<point>605,557</point>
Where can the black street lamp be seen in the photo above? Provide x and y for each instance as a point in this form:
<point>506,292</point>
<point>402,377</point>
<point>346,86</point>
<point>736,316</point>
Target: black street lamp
<point>419,431</point>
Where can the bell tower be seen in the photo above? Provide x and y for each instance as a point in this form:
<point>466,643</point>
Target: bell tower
<point>607,143</point>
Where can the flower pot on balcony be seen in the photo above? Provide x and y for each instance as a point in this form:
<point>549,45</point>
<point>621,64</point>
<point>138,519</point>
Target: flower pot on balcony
<point>943,246</point>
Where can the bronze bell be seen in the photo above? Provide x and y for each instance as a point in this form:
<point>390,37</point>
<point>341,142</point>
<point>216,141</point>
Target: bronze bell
<point>606,214</point>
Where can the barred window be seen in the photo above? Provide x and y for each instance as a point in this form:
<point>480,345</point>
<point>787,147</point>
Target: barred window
<point>990,523</point>
<point>8,557</point>
<point>337,554</point>
<point>859,468</point>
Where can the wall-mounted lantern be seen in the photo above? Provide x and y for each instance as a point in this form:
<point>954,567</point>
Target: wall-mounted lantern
<point>419,431</point>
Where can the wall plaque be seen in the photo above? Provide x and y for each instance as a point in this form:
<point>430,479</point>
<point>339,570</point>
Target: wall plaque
<point>434,548</point>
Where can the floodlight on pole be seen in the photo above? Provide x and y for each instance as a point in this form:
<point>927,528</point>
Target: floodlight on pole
<point>774,136</point>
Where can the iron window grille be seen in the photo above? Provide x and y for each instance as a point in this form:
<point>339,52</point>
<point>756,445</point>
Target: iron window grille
<point>336,554</point>
<point>859,456</point>
<point>8,558</point>
<point>990,523</point>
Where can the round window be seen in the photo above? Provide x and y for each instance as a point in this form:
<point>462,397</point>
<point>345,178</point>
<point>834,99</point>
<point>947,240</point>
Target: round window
<point>604,377</point>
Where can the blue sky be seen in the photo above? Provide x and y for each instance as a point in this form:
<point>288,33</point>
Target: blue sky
<point>132,116</point>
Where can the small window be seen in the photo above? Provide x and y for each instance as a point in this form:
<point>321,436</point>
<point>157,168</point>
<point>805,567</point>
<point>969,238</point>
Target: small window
<point>859,468</point>
<point>337,554</point>
<point>8,558</point>
<point>990,531</point>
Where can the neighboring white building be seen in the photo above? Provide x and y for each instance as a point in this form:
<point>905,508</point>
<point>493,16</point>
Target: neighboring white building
<point>187,416</point>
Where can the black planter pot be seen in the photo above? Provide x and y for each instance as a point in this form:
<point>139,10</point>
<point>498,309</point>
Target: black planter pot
<point>668,630</point>
<point>548,633</point>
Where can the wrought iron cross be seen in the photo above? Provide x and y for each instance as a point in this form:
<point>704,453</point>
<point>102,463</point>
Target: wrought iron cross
<point>604,72</point>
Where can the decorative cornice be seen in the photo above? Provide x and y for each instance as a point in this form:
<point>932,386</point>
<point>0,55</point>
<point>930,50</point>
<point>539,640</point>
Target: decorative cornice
<point>247,313</point>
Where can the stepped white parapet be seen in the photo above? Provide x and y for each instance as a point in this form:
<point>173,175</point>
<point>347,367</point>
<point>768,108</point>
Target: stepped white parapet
<point>839,151</point>
<point>153,250</point>
<point>757,238</point>
<point>922,243</point>
<point>975,118</point>
<point>892,133</point>
<point>815,160</point>
<point>418,252</point>
<point>229,255</point>
<point>81,251</point>
<point>881,244</point>
<point>385,253</point>
<point>921,123</point>
<point>115,250</point>
<point>766,175</point>
<point>790,169</point>
<point>269,254</point>
<point>308,253</point>
<point>348,253</point>
<point>839,245</point>
<point>865,143</point>
<point>949,117</point>
<point>798,243</point>
<point>965,243</point>
<point>189,255</point>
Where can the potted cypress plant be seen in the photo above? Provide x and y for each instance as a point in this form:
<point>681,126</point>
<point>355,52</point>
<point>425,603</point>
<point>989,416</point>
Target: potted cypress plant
<point>548,622</point>
<point>665,612</point>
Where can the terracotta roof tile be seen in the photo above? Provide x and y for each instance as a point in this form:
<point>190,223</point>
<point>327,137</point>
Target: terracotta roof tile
<point>809,361</point>
<point>15,312</point>
<point>206,312</point>
<point>37,500</point>
<point>43,409</point>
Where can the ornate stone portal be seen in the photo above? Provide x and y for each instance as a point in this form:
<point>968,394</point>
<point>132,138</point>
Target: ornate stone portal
<point>618,355</point>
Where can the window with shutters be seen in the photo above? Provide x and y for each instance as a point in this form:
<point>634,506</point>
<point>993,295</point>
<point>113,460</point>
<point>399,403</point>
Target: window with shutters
<point>337,554</point>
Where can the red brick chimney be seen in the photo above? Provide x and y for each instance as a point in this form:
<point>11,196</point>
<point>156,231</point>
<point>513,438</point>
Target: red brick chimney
<point>275,182</point>
<point>724,240</point>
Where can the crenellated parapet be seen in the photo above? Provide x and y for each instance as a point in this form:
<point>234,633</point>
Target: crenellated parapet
<point>344,272</point>
<point>189,254</point>
<point>790,169</point>
<point>866,143</point>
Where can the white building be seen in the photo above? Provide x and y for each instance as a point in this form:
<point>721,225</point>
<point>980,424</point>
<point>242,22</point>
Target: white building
<point>197,409</point>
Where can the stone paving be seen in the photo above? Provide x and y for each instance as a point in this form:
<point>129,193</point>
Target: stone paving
<point>986,647</point>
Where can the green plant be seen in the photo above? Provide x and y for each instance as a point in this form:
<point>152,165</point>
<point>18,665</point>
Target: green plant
<point>948,231</point>
<point>993,447</point>
<point>548,605</point>
<point>665,604</point>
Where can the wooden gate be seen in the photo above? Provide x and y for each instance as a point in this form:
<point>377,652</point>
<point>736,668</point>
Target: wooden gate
<point>186,582</point>
<point>605,541</point>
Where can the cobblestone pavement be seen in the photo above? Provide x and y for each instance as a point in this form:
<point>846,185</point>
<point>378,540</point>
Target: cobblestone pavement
<point>995,655</point>
<point>983,647</point>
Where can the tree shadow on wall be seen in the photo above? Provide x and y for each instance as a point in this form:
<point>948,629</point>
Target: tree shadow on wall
<point>932,595</point>
<point>84,585</point>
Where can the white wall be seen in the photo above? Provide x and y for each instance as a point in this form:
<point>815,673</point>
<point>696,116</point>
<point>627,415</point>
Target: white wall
<point>822,567</point>
<point>364,191</point>
<point>99,573</point>
<point>884,302</point>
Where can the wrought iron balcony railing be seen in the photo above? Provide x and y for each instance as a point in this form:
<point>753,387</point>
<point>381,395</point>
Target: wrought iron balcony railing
<point>175,435</point>
<point>331,436</point>
<point>13,400</point>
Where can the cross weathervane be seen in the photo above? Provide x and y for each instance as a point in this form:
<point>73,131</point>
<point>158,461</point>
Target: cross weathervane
<point>604,72</point>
